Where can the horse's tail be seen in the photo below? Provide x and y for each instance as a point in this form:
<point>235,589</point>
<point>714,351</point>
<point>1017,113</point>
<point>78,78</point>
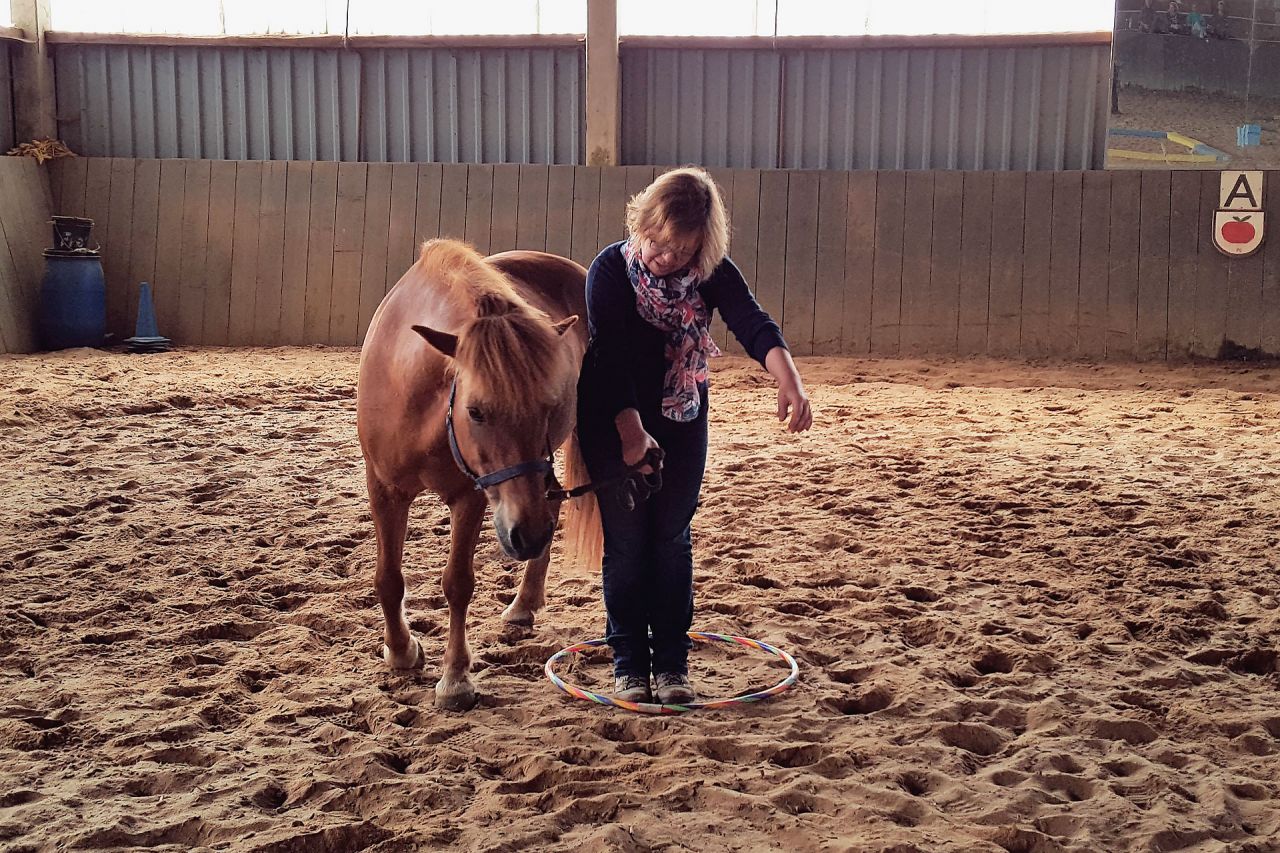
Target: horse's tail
<point>583,535</point>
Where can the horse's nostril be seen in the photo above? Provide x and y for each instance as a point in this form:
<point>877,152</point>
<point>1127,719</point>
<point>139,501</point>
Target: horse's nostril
<point>517,539</point>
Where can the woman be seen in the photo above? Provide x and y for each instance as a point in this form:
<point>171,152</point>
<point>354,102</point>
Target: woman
<point>643,386</point>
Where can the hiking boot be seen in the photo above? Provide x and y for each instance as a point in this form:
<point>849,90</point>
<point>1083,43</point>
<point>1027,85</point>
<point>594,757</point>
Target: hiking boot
<point>631,688</point>
<point>673,688</point>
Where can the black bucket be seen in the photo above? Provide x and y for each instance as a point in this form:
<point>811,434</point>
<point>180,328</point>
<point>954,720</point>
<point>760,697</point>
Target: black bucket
<point>71,233</point>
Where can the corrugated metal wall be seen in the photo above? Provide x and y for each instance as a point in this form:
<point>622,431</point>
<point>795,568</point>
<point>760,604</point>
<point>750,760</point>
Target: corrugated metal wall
<point>484,105</point>
<point>7,140</point>
<point>1024,108</point>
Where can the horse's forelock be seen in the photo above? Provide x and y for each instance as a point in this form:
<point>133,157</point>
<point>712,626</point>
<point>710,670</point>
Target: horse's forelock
<point>509,353</point>
<point>513,359</point>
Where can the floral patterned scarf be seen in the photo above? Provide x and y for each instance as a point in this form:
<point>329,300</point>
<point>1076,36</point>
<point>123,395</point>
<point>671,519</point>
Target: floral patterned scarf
<point>673,305</point>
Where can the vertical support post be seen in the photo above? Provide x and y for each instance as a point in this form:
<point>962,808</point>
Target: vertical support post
<point>33,94</point>
<point>603,96</point>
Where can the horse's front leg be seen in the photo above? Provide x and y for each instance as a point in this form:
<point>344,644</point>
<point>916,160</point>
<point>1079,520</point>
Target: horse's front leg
<point>390,509</point>
<point>454,690</point>
<point>533,592</point>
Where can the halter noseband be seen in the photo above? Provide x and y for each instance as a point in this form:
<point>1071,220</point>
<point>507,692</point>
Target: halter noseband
<point>536,466</point>
<point>631,484</point>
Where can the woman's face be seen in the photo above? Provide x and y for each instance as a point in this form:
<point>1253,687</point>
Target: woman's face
<point>668,253</point>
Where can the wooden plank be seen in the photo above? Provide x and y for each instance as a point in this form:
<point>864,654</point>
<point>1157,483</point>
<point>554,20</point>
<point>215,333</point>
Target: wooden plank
<point>1095,264</point>
<point>348,242</point>
<point>244,252</point>
<point>1212,274</point>
<point>270,281</point>
<point>17,311</point>
<point>744,217</point>
<point>146,217</point>
<point>119,239</point>
<point>477,226</point>
<point>1270,312</point>
<point>771,243</point>
<point>16,320</point>
<point>321,232</point>
<point>402,245</point>
<point>216,316</point>
<point>917,258</point>
<point>944,264</point>
<point>293,290</point>
<point>1152,321</point>
<point>975,264</point>
<point>1184,237</point>
<point>33,222</point>
<point>560,210</point>
<point>531,209</point>
<point>613,206</point>
<point>453,201</point>
<point>373,259</point>
<point>57,178</point>
<point>637,179</point>
<point>859,264</point>
<point>586,214</point>
<point>1243,326</point>
<point>829,298</point>
<point>1122,278</point>
<point>886,275</point>
<point>1004,328</point>
<point>75,176</point>
<point>800,262</point>
<point>1064,264</point>
<point>723,179</point>
<point>427,219</point>
<point>194,254</point>
<point>166,284</point>
<point>97,202</point>
<point>506,196</point>
<point>1037,242</point>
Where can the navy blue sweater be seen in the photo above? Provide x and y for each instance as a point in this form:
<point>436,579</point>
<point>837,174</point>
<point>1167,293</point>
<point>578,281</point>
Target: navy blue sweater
<point>626,361</point>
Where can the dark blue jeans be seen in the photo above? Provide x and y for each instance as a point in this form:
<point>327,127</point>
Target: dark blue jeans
<point>648,554</point>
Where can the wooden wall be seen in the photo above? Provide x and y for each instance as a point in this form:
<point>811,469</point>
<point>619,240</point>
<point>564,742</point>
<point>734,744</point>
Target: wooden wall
<point>24,232</point>
<point>1115,265</point>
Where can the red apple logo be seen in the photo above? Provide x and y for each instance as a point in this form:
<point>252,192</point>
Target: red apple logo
<point>1239,230</point>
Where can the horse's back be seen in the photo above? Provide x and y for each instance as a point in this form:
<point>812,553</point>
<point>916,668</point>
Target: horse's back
<point>548,281</point>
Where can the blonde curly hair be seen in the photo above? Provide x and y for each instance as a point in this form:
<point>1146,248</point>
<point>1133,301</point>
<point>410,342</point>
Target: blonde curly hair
<point>682,203</point>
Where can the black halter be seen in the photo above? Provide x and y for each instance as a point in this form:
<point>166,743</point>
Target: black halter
<point>536,466</point>
<point>631,484</point>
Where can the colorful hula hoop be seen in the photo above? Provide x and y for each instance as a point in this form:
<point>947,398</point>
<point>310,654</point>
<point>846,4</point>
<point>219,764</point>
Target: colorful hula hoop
<point>658,708</point>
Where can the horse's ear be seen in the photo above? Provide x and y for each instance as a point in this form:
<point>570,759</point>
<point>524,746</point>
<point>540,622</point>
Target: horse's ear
<point>443,341</point>
<point>565,325</point>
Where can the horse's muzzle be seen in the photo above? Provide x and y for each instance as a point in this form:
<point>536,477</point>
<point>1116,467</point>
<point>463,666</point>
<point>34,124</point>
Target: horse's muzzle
<point>521,542</point>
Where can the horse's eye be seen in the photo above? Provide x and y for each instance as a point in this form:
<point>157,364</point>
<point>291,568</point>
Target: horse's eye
<point>476,415</point>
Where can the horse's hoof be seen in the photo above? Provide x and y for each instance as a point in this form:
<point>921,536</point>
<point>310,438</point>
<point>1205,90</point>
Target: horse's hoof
<point>518,616</point>
<point>460,696</point>
<point>413,659</point>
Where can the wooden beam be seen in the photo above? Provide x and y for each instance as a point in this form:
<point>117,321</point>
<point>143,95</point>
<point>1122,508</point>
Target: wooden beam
<point>603,97</point>
<point>33,95</point>
<point>314,41</point>
<point>12,34</point>
<point>870,42</point>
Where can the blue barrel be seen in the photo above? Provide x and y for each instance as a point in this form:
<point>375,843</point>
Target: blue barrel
<point>73,301</point>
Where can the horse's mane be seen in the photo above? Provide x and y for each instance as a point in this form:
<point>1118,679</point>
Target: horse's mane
<point>508,351</point>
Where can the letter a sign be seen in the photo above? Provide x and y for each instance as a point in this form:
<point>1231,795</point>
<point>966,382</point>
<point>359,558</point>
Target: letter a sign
<point>1238,222</point>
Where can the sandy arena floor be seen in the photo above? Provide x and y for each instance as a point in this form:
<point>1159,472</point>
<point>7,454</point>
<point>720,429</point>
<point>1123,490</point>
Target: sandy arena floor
<point>1211,119</point>
<point>1035,608</point>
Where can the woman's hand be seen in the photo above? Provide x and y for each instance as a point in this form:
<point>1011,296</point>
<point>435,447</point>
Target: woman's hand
<point>792,399</point>
<point>636,442</point>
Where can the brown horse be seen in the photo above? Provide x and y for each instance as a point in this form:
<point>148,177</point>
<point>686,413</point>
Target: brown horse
<point>470,365</point>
